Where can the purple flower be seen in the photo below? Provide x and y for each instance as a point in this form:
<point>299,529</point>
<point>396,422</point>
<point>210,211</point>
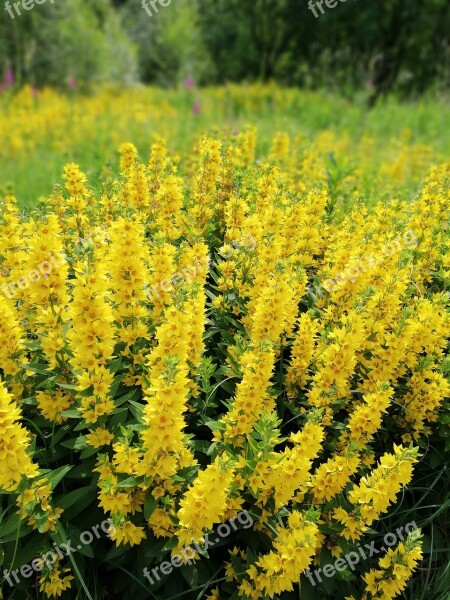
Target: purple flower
<point>196,109</point>
<point>9,77</point>
<point>34,91</point>
<point>72,83</point>
<point>189,83</point>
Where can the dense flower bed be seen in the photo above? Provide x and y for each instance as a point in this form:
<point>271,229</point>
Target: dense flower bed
<point>188,346</point>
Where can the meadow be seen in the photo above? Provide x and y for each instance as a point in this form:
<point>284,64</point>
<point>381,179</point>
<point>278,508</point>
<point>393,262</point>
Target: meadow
<point>43,130</point>
<point>224,360</point>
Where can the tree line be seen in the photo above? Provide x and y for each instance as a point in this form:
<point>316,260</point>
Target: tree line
<point>382,46</point>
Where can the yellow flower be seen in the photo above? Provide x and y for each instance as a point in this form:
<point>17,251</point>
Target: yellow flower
<point>56,582</point>
<point>377,491</point>
<point>52,404</point>
<point>396,567</point>
<point>99,437</point>
<point>15,462</point>
<point>126,532</point>
<point>205,502</point>
<point>276,571</point>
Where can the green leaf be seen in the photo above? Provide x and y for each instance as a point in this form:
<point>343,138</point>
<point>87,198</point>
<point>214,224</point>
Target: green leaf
<point>129,482</point>
<point>83,471</point>
<point>134,394</point>
<point>71,414</point>
<point>115,365</point>
<point>67,386</point>
<point>150,505</point>
<point>172,543</point>
<point>119,417</point>
<point>54,477</point>
<point>214,425</point>
<point>115,385</point>
<point>10,526</point>
<point>201,446</point>
<point>87,493</point>
<point>78,443</point>
<point>88,452</point>
<point>41,520</point>
<point>36,368</point>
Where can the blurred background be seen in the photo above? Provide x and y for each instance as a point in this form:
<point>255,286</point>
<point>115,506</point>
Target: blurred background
<point>80,77</point>
<point>380,47</point>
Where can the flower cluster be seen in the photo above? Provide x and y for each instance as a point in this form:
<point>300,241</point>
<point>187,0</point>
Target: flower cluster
<point>230,386</point>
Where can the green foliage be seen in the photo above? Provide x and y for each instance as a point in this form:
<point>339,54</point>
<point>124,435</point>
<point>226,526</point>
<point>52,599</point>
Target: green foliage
<point>385,46</point>
<point>72,40</point>
<point>170,44</point>
<point>388,45</point>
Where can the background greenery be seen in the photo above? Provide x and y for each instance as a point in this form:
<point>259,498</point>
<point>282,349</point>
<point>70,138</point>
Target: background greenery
<point>384,46</point>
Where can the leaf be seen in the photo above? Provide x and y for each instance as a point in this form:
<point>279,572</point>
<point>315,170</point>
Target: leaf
<point>190,574</point>
<point>8,529</point>
<point>134,394</point>
<point>88,452</point>
<point>150,505</point>
<point>36,368</point>
<point>129,482</point>
<point>136,409</point>
<point>85,549</point>
<point>201,446</point>
<point>78,443</point>
<point>116,552</point>
<point>71,414</point>
<point>67,386</point>
<point>87,492</point>
<point>170,544</point>
<point>54,477</point>
<point>83,471</point>
<point>214,425</point>
<point>41,520</point>
<point>118,418</point>
<point>30,550</point>
<point>155,549</point>
<point>115,365</point>
<point>115,385</point>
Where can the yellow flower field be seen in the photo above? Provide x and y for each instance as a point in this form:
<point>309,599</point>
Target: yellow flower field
<point>216,335</point>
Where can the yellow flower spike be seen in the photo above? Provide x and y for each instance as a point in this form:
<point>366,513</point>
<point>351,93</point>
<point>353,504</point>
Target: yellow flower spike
<point>204,503</point>
<point>396,567</point>
<point>15,462</point>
